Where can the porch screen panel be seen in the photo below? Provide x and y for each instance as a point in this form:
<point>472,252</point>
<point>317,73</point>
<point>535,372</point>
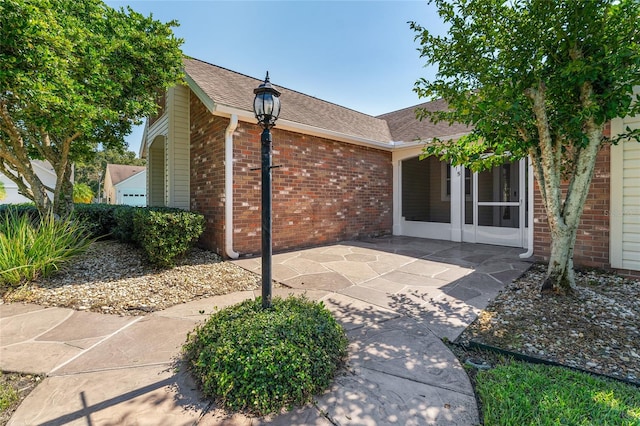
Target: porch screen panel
<point>499,185</point>
<point>424,191</point>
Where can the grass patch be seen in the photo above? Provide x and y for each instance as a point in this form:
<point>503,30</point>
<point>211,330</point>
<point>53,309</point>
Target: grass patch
<point>8,395</point>
<point>14,388</point>
<point>519,393</point>
<point>263,360</point>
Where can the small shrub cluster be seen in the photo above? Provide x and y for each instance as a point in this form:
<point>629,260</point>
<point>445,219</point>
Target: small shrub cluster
<point>263,360</point>
<point>99,217</point>
<point>123,230</point>
<point>163,233</point>
<point>166,234</point>
<point>30,248</point>
<point>28,209</point>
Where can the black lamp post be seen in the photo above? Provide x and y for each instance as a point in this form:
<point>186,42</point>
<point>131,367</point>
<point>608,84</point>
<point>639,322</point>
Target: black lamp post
<point>266,107</point>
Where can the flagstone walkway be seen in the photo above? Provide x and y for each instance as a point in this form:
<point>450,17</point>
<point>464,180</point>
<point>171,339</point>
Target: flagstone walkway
<point>397,297</point>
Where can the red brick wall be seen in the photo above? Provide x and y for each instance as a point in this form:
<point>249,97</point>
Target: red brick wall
<point>592,241</point>
<point>326,191</point>
<point>207,172</point>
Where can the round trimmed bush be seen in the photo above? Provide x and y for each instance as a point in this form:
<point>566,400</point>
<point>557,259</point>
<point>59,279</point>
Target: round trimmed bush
<point>262,360</point>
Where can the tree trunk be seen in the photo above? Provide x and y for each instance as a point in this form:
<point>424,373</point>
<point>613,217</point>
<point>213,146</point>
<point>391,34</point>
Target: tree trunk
<point>560,276</point>
<point>63,197</point>
<point>563,215</point>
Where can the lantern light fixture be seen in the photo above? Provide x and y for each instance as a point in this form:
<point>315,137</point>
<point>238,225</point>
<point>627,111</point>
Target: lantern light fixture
<point>266,104</point>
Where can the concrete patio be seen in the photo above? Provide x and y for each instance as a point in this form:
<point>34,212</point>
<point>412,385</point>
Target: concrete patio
<point>397,297</point>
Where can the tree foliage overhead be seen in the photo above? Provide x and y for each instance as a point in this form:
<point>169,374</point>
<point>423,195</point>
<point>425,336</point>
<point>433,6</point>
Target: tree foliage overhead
<point>75,74</point>
<point>535,78</point>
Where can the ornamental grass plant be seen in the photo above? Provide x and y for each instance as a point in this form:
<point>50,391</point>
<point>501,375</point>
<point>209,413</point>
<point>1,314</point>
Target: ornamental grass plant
<point>264,360</point>
<point>32,248</point>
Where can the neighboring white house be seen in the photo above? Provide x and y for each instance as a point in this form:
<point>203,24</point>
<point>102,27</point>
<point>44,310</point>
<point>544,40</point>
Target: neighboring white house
<point>42,169</point>
<point>125,185</point>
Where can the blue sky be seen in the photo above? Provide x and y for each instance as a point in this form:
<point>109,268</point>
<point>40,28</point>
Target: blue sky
<point>358,54</point>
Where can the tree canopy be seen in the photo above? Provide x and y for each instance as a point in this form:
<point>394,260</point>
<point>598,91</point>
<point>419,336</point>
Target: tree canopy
<point>535,78</point>
<point>75,74</point>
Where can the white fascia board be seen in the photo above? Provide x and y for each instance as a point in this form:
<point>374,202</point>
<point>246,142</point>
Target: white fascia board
<point>248,116</point>
<point>400,146</point>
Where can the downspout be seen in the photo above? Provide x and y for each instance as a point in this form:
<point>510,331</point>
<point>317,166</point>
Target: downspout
<point>228,187</point>
<point>529,251</point>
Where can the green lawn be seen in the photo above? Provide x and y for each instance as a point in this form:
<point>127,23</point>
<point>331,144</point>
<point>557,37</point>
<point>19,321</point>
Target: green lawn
<point>519,394</point>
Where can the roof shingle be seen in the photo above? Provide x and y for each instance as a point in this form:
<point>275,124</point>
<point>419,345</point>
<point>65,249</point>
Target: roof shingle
<point>232,89</point>
<point>406,127</point>
<point>235,90</point>
<point>120,172</point>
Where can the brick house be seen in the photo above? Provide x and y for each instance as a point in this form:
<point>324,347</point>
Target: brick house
<point>347,175</point>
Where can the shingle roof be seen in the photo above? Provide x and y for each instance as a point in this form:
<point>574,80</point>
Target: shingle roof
<point>120,172</point>
<point>235,90</point>
<point>406,128</point>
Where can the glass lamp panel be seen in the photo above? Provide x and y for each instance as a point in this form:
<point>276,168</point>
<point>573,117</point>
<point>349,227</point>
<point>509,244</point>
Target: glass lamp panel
<point>267,102</point>
<point>258,107</point>
<point>276,108</point>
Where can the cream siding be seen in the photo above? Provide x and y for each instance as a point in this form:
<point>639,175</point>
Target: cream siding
<point>625,198</point>
<point>156,174</point>
<point>178,149</point>
<point>109,194</point>
<point>168,153</point>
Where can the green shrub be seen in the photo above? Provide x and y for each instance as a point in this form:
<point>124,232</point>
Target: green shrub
<point>29,249</point>
<point>98,217</point>
<point>262,360</point>
<point>123,230</point>
<point>164,234</point>
<point>28,209</point>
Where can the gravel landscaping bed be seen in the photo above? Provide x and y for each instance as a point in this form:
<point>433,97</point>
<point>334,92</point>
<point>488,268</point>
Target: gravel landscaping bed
<point>597,329</point>
<point>115,278</point>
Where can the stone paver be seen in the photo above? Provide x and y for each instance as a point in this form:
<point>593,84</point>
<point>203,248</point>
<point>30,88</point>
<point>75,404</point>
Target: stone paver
<point>151,395</point>
<point>396,297</point>
<point>331,281</point>
<point>373,398</point>
<point>152,340</point>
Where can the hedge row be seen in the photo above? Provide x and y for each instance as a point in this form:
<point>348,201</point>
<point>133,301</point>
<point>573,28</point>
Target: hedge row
<point>163,233</point>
